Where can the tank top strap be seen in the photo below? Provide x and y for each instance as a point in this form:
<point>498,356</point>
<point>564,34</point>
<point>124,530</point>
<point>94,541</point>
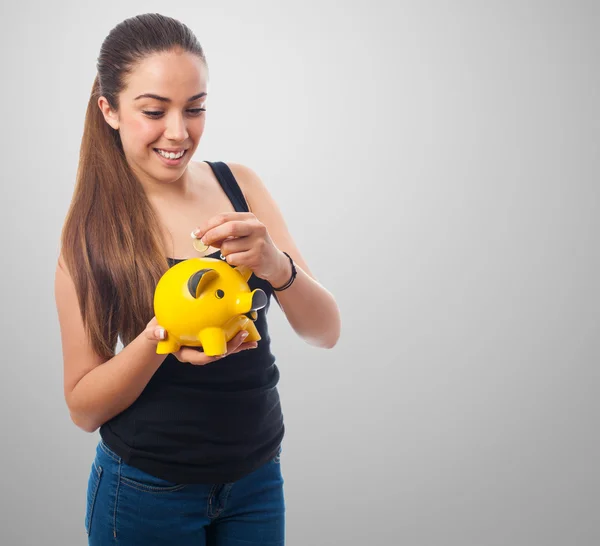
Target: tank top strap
<point>229,185</point>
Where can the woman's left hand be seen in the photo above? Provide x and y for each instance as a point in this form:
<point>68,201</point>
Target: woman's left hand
<point>245,241</point>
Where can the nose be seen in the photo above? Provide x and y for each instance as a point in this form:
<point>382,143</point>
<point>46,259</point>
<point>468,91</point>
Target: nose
<point>176,128</point>
<point>259,300</point>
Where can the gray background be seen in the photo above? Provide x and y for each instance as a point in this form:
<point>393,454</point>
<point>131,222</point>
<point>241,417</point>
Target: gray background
<point>437,164</point>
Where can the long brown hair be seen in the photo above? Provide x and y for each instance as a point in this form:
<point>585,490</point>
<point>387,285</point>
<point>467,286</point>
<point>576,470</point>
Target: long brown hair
<point>111,241</point>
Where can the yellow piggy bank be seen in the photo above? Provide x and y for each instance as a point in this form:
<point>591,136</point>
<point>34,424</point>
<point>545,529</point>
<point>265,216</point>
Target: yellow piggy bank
<point>205,302</point>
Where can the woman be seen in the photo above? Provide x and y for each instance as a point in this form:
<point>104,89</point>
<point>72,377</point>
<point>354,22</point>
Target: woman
<point>190,444</point>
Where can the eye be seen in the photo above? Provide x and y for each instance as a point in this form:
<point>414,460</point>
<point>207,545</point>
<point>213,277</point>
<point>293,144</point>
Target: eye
<point>152,114</point>
<point>156,114</point>
<point>220,294</point>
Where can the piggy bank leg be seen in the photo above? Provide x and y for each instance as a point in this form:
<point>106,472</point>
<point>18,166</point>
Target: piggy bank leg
<point>166,346</point>
<point>235,325</point>
<point>213,341</point>
<point>253,334</point>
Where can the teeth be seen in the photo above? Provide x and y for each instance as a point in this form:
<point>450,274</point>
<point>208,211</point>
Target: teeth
<point>170,155</point>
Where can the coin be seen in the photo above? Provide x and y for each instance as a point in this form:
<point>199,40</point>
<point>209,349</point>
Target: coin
<point>198,244</point>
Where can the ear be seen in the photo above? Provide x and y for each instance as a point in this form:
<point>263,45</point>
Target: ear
<point>111,116</point>
<point>198,281</point>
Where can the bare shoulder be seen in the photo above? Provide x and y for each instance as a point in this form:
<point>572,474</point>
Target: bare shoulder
<point>242,171</point>
<point>262,204</point>
<point>249,182</point>
<point>204,178</point>
<point>254,189</point>
<point>247,179</point>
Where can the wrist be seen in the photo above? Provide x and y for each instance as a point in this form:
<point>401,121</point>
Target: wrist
<point>290,281</point>
<point>284,271</point>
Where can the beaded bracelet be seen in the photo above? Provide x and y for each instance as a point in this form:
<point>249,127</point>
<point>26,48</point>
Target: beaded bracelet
<point>294,272</point>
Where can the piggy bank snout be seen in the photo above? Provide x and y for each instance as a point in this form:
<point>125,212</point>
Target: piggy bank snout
<point>251,301</point>
<point>259,300</point>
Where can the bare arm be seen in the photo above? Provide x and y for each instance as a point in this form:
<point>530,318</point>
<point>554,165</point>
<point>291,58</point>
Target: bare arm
<point>308,306</point>
<point>113,386</point>
<point>97,390</point>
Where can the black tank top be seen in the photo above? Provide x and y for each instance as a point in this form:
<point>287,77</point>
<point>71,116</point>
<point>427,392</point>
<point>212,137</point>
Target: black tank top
<point>206,424</point>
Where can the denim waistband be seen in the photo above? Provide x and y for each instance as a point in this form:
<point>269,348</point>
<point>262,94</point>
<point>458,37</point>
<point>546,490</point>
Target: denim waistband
<point>108,452</point>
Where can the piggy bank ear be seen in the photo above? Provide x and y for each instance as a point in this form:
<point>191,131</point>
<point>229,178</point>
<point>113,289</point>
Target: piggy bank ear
<point>244,271</point>
<point>199,280</point>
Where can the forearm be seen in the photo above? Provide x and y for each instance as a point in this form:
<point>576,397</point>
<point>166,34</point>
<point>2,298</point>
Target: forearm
<point>310,308</point>
<point>113,386</point>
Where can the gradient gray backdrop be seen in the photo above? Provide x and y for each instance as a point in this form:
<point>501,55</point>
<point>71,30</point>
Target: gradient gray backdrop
<point>437,164</point>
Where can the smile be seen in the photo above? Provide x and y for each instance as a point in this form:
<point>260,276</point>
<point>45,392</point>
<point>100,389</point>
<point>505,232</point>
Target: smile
<point>170,155</point>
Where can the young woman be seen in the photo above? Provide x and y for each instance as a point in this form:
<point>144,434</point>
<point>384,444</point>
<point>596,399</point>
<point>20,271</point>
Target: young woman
<point>189,444</point>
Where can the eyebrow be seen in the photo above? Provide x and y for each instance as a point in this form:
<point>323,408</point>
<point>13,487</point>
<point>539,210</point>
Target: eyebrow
<point>165,99</point>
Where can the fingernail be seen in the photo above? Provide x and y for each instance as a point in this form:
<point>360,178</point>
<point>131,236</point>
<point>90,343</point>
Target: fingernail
<point>196,232</point>
<point>161,333</point>
<point>244,335</point>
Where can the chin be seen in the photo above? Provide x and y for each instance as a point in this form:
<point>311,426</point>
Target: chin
<point>169,178</point>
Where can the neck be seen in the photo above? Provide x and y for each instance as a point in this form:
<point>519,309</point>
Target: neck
<point>155,189</point>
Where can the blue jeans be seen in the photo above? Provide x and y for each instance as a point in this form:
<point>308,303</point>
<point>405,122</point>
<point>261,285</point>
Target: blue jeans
<point>130,507</point>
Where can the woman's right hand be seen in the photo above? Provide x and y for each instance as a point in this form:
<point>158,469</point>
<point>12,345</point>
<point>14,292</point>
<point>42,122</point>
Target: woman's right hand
<point>192,355</point>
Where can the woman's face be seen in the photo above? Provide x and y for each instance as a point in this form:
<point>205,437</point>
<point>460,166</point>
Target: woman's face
<point>155,130</point>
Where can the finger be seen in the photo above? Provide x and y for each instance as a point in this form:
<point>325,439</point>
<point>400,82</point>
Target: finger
<point>219,219</point>
<point>230,246</point>
<point>245,346</point>
<point>236,341</point>
<point>198,358</point>
<point>157,333</point>
<point>219,244</point>
<point>237,258</point>
<point>193,356</point>
<point>233,228</point>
